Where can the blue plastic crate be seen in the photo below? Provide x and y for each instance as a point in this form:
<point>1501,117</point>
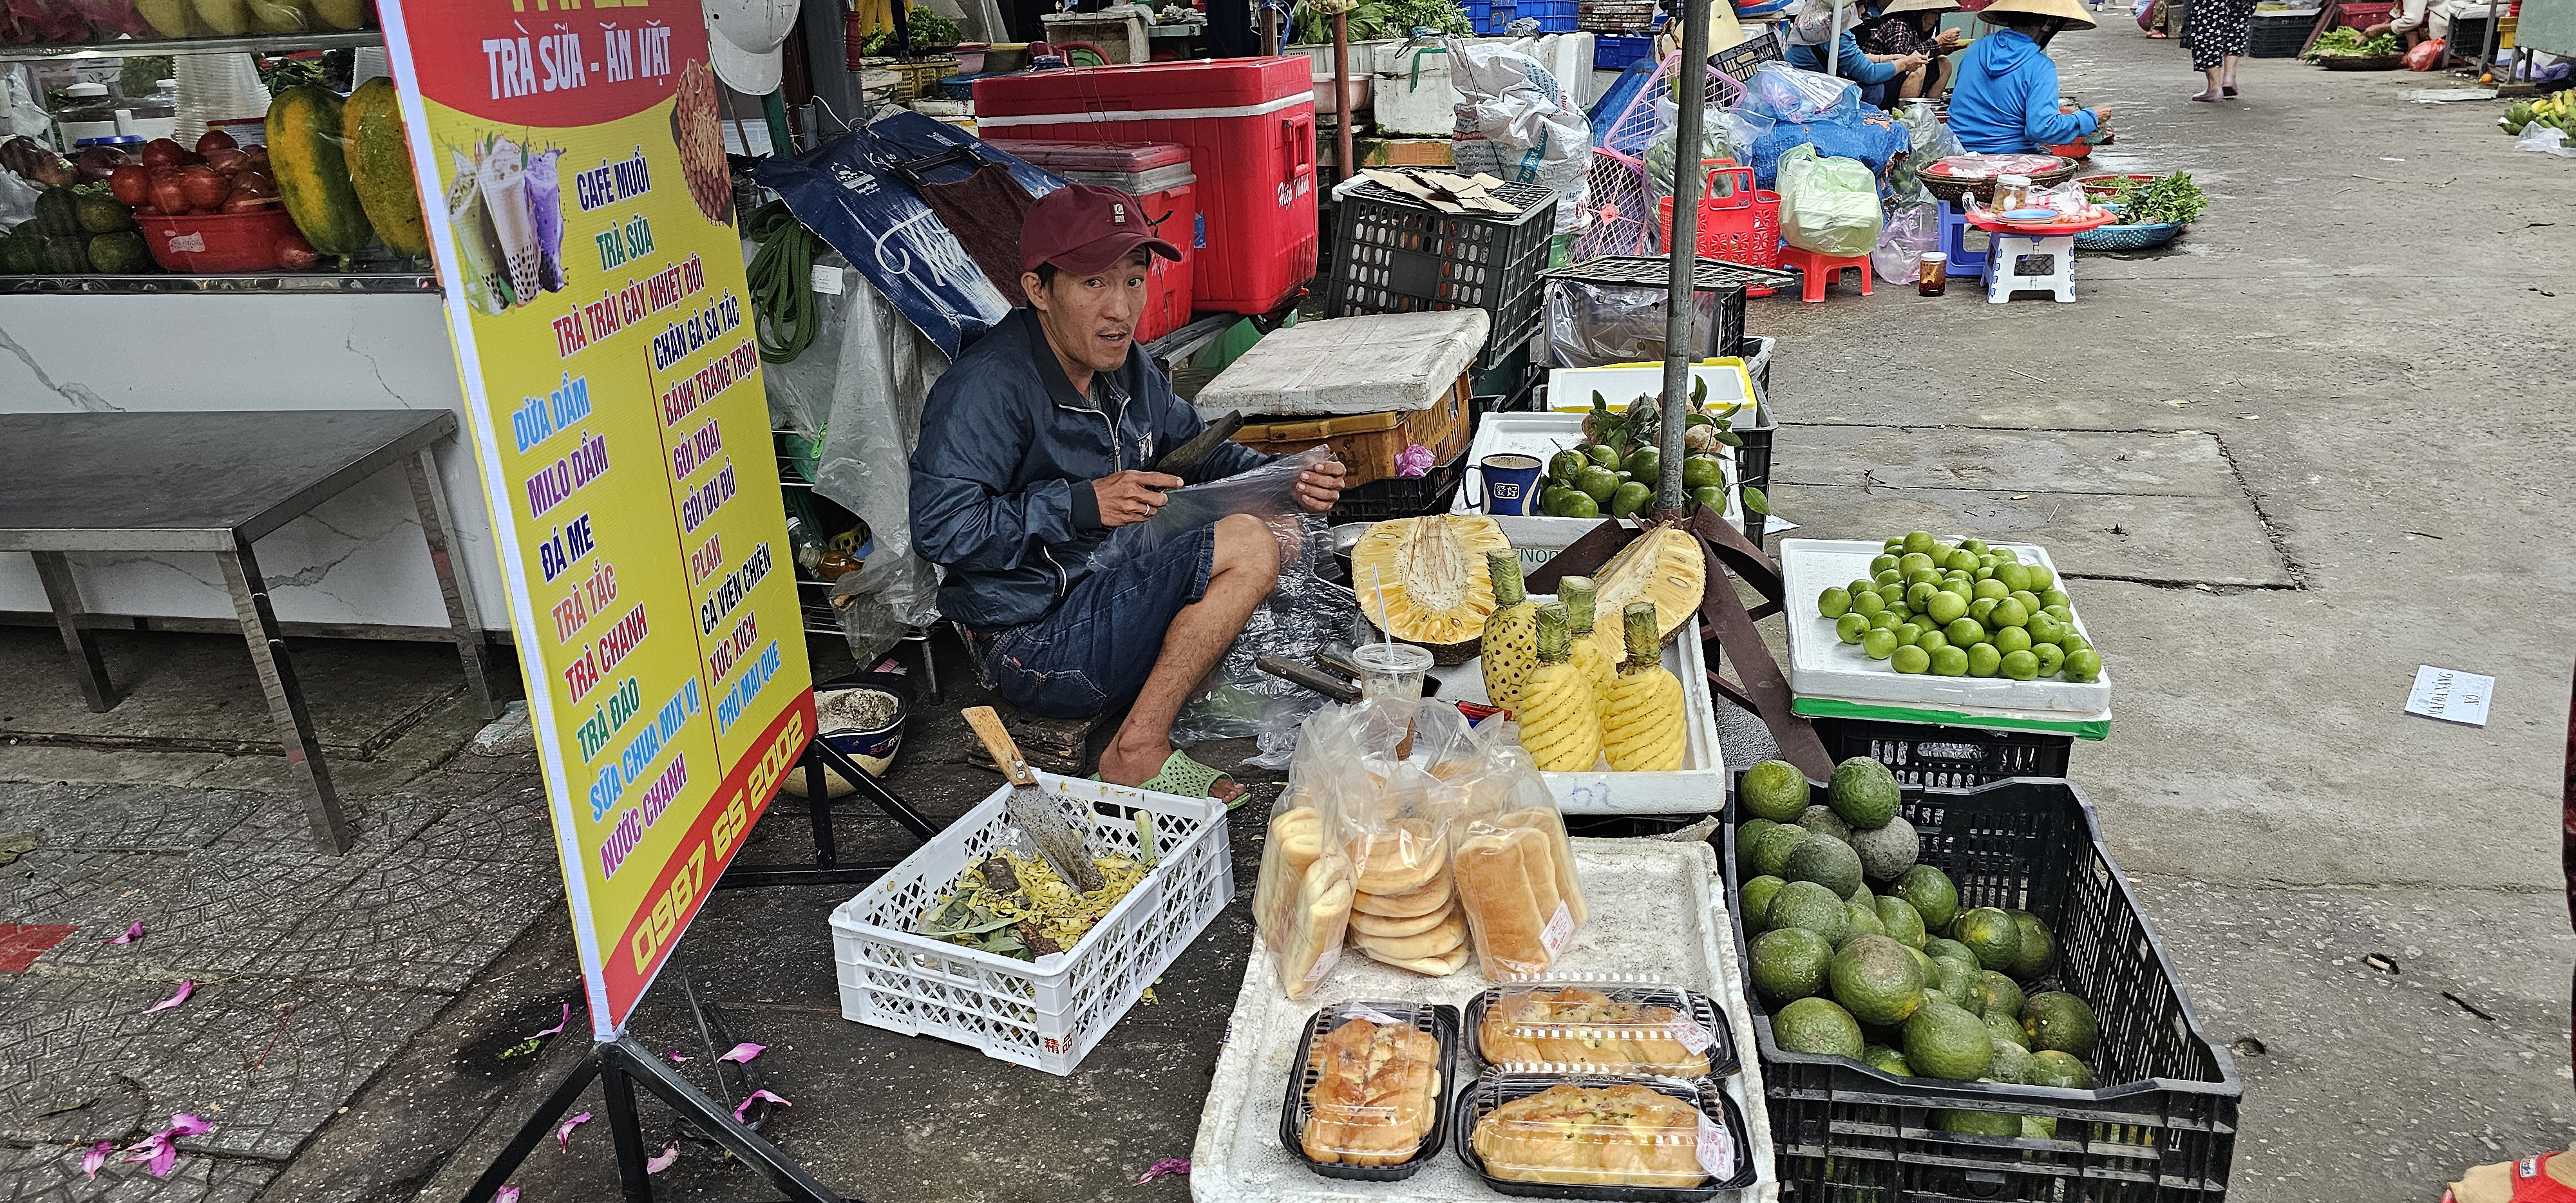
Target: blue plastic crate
<point>1492,18</point>
<point>1614,51</point>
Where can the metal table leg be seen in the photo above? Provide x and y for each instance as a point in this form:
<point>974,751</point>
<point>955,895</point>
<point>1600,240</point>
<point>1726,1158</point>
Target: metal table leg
<point>435,525</point>
<point>285,699</point>
<point>62,593</point>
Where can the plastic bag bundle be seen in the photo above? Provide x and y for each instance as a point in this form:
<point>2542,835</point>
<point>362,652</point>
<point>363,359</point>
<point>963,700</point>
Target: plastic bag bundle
<point>1513,864</point>
<point>1517,123</point>
<point>1828,205</point>
<point>1302,901</point>
<point>1911,230</point>
<point>1785,93</point>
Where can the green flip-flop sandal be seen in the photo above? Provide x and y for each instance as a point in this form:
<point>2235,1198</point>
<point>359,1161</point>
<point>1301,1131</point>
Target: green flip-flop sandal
<point>1182,776</point>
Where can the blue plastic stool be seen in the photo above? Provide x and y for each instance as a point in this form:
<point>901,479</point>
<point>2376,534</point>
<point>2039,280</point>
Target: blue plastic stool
<point>1954,243</point>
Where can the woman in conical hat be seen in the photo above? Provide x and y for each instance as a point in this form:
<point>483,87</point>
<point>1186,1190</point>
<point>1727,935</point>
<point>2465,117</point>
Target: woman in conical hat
<point>2006,99</point>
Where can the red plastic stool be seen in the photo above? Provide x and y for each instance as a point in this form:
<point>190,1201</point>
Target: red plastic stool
<point>1816,271</point>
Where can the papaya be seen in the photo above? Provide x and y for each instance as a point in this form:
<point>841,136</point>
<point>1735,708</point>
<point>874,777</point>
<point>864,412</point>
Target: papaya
<point>306,157</point>
<point>379,159</point>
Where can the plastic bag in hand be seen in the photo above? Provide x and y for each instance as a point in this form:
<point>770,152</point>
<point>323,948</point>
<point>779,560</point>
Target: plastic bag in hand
<point>1829,206</point>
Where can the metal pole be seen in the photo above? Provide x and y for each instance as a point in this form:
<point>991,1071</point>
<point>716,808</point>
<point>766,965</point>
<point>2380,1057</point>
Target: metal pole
<point>1343,167</point>
<point>1691,93</point>
<point>1834,43</point>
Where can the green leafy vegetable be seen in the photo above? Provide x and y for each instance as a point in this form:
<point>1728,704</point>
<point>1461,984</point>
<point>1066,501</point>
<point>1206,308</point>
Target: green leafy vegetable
<point>1385,19</point>
<point>2346,41</point>
<point>2171,198</point>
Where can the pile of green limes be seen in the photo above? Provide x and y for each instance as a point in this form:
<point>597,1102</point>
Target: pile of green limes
<point>1961,610</point>
<point>1594,479</point>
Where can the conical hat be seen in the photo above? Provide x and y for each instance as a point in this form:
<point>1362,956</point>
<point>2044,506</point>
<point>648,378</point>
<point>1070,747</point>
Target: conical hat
<point>1920,6</point>
<point>2069,10</point>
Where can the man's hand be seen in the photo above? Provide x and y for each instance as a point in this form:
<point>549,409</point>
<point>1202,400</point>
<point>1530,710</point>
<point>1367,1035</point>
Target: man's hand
<point>1912,62</point>
<point>1131,496</point>
<point>1320,486</point>
<point>1949,39</point>
<point>2102,114</point>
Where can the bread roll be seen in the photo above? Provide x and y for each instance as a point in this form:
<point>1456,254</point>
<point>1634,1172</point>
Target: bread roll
<point>1624,1135</point>
<point>1580,1026</point>
<point>1507,885</point>
<point>1320,913</point>
<point>1367,924</point>
<point>1375,1094</point>
<point>1435,942</point>
<point>1296,839</point>
<point>1440,966</point>
<point>1404,857</point>
<point>1431,897</point>
<point>1546,821</point>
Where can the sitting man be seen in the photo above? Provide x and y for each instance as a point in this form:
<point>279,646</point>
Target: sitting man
<point>1035,444</point>
<point>2414,19</point>
<point>2006,99</point>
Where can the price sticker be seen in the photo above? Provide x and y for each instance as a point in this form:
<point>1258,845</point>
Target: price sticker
<point>1686,1032</point>
<point>1716,1148</point>
<point>1558,930</point>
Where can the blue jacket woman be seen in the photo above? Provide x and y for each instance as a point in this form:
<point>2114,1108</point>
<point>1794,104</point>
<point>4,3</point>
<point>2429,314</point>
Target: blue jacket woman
<point>2006,99</point>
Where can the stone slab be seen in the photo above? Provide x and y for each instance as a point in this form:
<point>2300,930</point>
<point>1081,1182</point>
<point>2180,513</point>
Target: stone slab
<point>2142,463</point>
<point>2164,540</point>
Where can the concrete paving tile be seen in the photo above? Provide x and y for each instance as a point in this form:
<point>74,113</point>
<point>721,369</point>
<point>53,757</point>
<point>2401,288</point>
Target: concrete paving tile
<point>423,923</point>
<point>504,819</point>
<point>2134,463</point>
<point>214,913</point>
<point>51,1174</point>
<point>151,818</point>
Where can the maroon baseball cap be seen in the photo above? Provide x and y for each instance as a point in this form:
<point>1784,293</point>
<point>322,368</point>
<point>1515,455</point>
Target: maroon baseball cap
<point>1086,228</point>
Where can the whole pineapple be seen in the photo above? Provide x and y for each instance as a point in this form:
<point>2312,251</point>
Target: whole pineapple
<point>1560,719</point>
<point>1577,593</point>
<point>1641,720</point>
<point>1510,649</point>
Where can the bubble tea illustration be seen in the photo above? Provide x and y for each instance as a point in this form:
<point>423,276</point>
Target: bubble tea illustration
<point>545,207</point>
<point>504,179</point>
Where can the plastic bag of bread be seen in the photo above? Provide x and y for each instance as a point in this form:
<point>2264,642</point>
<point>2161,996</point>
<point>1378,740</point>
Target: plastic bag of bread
<point>1513,865</point>
<point>1302,900</point>
<point>1396,824</point>
<point>1605,1131</point>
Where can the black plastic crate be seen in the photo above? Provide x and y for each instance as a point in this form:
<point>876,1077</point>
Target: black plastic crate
<point>1394,254</point>
<point>1737,62</point>
<point>1402,496</point>
<point>1946,757</point>
<point>2278,36</point>
<point>2161,1129</point>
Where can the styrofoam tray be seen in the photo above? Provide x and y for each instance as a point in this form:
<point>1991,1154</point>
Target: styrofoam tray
<point>1569,390</point>
<point>1658,910</point>
<point>1822,665</point>
<point>1543,435</point>
<point>1698,787</point>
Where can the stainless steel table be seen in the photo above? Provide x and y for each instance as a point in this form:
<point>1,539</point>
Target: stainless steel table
<point>215,483</point>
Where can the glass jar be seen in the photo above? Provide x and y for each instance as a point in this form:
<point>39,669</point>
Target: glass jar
<point>1932,276</point>
<point>2011,192</point>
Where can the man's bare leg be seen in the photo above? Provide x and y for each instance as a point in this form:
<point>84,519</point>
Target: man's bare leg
<point>1246,567</point>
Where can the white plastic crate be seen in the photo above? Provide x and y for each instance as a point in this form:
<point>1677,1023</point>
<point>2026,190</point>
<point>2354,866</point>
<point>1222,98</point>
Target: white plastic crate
<point>1821,665</point>
<point>1049,1014</point>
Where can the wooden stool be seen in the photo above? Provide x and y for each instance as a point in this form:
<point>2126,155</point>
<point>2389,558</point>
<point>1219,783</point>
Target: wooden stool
<point>2004,274</point>
<point>1067,747</point>
<point>1817,272</point>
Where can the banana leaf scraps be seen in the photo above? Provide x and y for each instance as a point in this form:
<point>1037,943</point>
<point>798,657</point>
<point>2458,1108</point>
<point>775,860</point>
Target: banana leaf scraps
<point>1016,906</point>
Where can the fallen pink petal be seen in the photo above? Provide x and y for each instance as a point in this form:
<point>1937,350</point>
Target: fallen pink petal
<point>507,1194</point>
<point>662,1161</point>
<point>186,988</point>
<point>186,1123</point>
<point>757,1096</point>
<point>563,1135</point>
<point>131,935</point>
<point>560,1024</point>
<point>96,1157</point>
<point>679,1058</point>
<point>1164,1168</point>
<point>743,1052</point>
<point>158,1154</point>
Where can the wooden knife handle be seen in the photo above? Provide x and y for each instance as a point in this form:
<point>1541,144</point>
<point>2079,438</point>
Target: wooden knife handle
<point>998,744</point>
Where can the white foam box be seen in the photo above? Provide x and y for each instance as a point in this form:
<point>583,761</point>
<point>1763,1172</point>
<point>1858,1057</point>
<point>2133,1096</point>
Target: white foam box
<point>1698,787</point>
<point>1658,913</point>
<point>1822,665</point>
<point>1543,435</point>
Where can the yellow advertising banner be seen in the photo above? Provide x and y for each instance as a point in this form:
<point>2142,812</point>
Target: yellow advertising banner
<point>571,165</point>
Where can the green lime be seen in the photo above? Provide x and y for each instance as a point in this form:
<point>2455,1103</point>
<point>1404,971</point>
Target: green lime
<point>1919,542</point>
<point>2029,600</point>
<point>1985,588</point>
<point>1630,498</point>
<point>1984,660</point>
<point>1700,471</point>
<point>1910,660</point>
<point>1962,559</point>
<point>2011,613</point>
<point>1567,464</point>
<point>1597,483</point>
<point>1932,640</point>
<point>2054,597</point>
<point>2014,576</point>
<point>1868,603</point>
<point>1907,633</point>
<point>1647,463</point>
<point>1949,662</point>
<point>2049,657</point>
<point>1579,504</point>
<point>1982,608</point>
<point>1882,564</point>
<point>1711,496</point>
<point>1884,620</point>
<point>2012,639</point>
<point>1601,456</point>
<point>1946,607</point>
<point>1879,645</point>
<point>1851,626</point>
<point>2085,665</point>
<point>1965,632</point>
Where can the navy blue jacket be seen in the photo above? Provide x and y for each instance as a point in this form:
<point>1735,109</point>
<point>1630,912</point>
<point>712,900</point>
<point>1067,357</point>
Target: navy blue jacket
<point>1001,492</point>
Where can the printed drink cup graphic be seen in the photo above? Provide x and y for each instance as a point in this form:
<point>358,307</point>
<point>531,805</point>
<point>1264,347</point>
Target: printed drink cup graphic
<point>545,205</point>
<point>478,253</point>
<point>505,196</point>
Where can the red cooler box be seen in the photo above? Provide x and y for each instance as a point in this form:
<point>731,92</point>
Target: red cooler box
<point>1250,126</point>
<point>1158,175</point>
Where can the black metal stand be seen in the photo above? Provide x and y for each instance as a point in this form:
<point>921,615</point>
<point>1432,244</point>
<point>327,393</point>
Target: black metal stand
<point>827,868</point>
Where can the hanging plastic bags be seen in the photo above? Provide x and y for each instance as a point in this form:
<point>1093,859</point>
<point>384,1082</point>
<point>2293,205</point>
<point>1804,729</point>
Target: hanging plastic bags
<point>1829,206</point>
<point>1911,230</point>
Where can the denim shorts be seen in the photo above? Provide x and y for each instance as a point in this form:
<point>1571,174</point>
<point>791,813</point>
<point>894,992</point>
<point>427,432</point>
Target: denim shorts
<point>1095,649</point>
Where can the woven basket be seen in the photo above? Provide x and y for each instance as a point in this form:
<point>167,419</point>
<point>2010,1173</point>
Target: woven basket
<point>1956,191</point>
<point>2360,62</point>
<point>2128,238</point>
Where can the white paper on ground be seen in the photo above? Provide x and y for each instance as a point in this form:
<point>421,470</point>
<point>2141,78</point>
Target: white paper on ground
<point>2450,695</point>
